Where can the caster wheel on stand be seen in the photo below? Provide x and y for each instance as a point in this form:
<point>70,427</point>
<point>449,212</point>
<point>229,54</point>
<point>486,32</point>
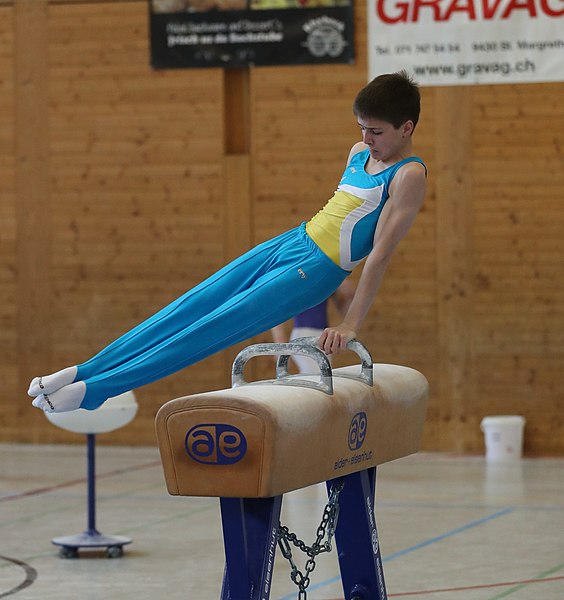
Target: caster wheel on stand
<point>115,551</point>
<point>68,552</point>
<point>91,540</point>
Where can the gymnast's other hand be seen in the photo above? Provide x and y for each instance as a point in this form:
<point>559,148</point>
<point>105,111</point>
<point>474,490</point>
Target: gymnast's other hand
<point>335,339</point>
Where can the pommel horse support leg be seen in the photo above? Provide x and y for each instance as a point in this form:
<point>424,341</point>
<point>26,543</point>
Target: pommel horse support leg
<point>251,444</point>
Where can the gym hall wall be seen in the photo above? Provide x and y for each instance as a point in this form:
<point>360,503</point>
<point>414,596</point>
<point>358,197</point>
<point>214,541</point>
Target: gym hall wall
<point>121,187</point>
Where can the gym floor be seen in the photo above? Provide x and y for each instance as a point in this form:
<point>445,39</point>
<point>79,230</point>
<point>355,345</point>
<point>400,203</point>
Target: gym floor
<point>450,527</point>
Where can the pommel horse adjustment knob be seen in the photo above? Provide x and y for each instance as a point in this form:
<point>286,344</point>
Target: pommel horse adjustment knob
<point>305,346</point>
<point>251,444</point>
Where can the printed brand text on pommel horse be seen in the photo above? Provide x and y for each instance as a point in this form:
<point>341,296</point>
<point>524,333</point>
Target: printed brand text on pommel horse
<point>250,444</point>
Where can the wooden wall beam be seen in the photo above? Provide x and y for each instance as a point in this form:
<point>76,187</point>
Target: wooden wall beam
<point>238,213</point>
<point>454,258</point>
<point>33,211</point>
<point>237,112</point>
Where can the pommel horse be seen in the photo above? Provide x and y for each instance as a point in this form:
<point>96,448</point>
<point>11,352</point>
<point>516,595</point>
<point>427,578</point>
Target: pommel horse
<point>251,444</point>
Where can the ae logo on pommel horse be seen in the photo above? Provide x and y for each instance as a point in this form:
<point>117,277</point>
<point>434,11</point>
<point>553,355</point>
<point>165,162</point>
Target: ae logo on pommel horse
<point>216,444</point>
<point>357,430</point>
<point>252,443</point>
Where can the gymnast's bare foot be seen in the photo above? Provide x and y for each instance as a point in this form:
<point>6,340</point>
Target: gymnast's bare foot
<point>67,398</point>
<point>51,383</point>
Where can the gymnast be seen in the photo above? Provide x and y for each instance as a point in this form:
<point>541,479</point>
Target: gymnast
<point>374,206</point>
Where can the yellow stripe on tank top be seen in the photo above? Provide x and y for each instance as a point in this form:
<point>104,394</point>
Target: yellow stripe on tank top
<point>325,227</point>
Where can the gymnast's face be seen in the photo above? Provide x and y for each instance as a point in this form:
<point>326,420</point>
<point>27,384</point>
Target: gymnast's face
<point>384,141</point>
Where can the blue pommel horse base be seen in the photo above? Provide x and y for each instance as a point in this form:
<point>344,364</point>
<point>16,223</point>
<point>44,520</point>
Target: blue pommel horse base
<point>251,444</point>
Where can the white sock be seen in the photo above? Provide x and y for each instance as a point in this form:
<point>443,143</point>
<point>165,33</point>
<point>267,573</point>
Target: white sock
<point>67,398</point>
<point>51,383</point>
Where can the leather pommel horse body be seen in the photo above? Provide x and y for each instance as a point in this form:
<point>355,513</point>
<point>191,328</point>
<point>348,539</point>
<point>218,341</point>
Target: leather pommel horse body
<point>250,444</point>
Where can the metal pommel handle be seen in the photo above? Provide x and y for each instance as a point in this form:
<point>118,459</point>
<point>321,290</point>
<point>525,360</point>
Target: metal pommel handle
<point>366,372</point>
<point>284,351</point>
<point>306,346</point>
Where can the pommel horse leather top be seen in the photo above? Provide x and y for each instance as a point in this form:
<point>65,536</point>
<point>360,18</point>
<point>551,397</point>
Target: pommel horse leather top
<point>263,439</point>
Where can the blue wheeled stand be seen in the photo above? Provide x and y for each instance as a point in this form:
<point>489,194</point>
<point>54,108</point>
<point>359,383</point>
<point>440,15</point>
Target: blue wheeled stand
<point>91,538</point>
<point>251,534</point>
<point>113,414</point>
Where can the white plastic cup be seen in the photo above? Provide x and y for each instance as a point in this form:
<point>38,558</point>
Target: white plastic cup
<point>503,437</point>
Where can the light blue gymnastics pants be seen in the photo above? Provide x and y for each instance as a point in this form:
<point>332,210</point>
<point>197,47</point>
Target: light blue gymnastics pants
<point>262,288</point>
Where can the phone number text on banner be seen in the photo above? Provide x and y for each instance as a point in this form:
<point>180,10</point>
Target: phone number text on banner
<point>466,42</point>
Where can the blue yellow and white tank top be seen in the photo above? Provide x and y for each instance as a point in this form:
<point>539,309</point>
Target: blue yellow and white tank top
<point>344,228</point>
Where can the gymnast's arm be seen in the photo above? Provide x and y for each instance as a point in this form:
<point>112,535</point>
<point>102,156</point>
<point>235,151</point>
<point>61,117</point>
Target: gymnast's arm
<point>407,192</point>
<point>280,333</point>
<point>343,296</point>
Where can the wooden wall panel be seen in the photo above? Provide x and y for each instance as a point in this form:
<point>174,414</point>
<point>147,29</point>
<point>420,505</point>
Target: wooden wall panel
<point>518,266</point>
<point>136,157</point>
<point>454,260</point>
<point>8,231</point>
<point>150,186</point>
<point>33,206</point>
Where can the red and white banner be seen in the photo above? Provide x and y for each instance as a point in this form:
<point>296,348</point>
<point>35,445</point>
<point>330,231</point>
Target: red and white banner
<point>466,42</point>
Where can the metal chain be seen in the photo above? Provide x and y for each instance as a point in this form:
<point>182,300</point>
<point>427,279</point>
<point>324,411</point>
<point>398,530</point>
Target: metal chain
<point>326,529</point>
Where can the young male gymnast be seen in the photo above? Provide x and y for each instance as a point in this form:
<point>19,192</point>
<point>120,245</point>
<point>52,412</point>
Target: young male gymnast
<point>376,202</point>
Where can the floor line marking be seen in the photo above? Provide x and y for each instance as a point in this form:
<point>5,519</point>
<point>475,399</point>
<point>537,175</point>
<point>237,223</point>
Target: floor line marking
<point>11,522</point>
<point>449,534</point>
<point>473,587</point>
<point>65,484</point>
<point>542,577</point>
<point>30,576</point>
<point>415,547</point>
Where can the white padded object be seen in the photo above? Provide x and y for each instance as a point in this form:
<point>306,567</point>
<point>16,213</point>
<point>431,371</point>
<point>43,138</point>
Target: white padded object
<point>114,413</point>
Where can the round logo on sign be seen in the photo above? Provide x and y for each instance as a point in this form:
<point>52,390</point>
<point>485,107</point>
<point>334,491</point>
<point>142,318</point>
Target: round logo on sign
<point>325,36</point>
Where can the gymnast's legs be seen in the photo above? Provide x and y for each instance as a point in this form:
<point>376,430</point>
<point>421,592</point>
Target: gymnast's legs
<point>260,289</point>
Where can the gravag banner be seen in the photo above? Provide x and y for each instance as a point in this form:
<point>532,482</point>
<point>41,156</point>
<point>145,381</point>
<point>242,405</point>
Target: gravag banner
<point>239,33</point>
<point>467,42</point>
